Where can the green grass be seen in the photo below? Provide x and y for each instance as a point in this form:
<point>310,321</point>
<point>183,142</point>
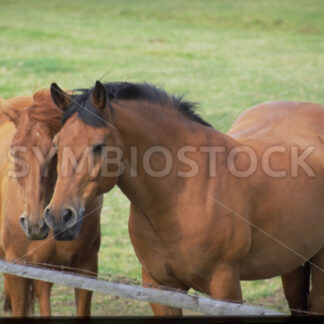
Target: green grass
<point>227,55</point>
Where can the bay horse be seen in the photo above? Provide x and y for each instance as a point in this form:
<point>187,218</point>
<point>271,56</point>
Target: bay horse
<point>193,225</point>
<point>28,125</point>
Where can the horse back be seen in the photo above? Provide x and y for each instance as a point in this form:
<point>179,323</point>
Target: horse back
<point>275,121</point>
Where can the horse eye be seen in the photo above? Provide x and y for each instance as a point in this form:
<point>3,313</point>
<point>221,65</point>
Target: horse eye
<point>97,149</point>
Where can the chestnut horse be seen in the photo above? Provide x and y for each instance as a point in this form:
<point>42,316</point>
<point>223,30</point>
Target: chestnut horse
<point>26,188</point>
<point>199,219</point>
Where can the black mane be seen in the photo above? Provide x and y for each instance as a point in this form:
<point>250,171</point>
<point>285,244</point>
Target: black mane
<point>127,91</point>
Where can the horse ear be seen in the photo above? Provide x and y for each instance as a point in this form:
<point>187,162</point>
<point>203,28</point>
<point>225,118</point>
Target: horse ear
<point>60,98</point>
<point>99,96</point>
<point>11,112</point>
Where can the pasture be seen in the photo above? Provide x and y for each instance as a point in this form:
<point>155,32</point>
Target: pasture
<point>226,55</point>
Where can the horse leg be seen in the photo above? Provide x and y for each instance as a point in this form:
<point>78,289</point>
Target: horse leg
<point>83,297</point>
<point>158,310</point>
<point>316,296</point>
<point>42,291</point>
<point>83,301</point>
<point>7,303</point>
<point>225,284</point>
<point>17,289</point>
<point>296,288</point>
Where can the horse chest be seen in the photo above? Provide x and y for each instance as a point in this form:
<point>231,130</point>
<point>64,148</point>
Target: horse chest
<point>169,263</point>
<point>64,256</point>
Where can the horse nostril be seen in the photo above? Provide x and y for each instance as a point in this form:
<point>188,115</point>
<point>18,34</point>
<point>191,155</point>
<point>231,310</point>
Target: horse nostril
<point>23,222</point>
<point>67,215</point>
<point>43,225</point>
<point>49,219</point>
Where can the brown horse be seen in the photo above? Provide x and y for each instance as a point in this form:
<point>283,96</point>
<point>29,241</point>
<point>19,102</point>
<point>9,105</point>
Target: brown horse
<point>207,209</point>
<point>26,187</point>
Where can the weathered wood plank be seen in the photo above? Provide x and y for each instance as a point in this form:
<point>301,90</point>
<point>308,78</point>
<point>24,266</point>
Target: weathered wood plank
<point>166,297</point>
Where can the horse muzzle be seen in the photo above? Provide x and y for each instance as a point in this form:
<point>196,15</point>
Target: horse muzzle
<point>38,231</point>
<point>66,224</point>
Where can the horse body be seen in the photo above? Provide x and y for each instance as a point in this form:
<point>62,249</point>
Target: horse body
<point>23,199</point>
<point>7,131</point>
<point>201,231</point>
<point>213,225</point>
<point>208,219</point>
<point>280,206</point>
<point>195,220</point>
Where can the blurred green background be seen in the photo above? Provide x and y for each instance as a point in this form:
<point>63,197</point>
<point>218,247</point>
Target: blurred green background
<point>226,55</point>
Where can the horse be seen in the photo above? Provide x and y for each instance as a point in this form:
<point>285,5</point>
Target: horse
<point>208,209</point>
<point>28,125</point>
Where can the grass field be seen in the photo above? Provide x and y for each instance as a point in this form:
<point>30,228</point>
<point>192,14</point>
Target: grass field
<point>227,55</point>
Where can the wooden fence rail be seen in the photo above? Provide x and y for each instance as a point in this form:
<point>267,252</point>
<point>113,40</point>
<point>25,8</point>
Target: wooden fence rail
<point>166,297</point>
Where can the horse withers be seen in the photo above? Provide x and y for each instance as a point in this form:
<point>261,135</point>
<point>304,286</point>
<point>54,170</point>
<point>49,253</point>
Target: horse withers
<point>199,219</point>
<point>28,125</point>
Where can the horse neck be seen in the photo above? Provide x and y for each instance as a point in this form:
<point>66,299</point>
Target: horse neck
<point>142,127</point>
